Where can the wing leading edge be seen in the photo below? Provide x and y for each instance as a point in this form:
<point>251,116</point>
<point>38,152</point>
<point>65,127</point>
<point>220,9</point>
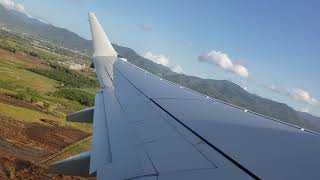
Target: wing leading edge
<point>147,128</point>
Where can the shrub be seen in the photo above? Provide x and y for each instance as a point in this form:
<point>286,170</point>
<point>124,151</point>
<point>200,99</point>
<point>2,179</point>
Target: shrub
<point>77,95</point>
<point>21,95</point>
<point>33,54</point>
<point>66,76</point>
<point>27,94</point>
<point>46,105</point>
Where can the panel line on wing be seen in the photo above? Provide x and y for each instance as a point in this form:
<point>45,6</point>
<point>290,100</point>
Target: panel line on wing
<point>195,133</point>
<point>204,97</point>
<point>207,142</point>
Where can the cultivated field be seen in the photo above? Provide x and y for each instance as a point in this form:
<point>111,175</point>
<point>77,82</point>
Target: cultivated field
<point>36,93</point>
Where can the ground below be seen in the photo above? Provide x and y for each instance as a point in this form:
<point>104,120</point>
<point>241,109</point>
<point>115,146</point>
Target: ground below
<point>24,146</point>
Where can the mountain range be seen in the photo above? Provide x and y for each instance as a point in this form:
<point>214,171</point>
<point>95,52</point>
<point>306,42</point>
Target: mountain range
<point>221,89</point>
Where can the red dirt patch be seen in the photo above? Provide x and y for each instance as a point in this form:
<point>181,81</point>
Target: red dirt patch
<point>24,145</point>
<point>53,137</point>
<point>34,141</point>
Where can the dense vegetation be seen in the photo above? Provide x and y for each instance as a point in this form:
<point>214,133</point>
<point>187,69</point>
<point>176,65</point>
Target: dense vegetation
<point>30,86</point>
<point>70,83</point>
<point>78,95</point>
<point>27,94</point>
<point>66,76</point>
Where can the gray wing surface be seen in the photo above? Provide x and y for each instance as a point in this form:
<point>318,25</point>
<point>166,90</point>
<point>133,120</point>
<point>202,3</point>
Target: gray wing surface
<point>145,127</point>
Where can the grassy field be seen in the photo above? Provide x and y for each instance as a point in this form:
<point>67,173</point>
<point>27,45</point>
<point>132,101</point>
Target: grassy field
<point>28,115</point>
<point>35,89</point>
<point>15,79</point>
<point>15,75</point>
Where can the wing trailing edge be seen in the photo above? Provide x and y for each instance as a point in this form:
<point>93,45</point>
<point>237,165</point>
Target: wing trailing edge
<point>77,165</point>
<point>83,116</point>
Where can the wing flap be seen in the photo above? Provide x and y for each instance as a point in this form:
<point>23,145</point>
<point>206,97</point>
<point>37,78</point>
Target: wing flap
<point>129,159</point>
<point>83,116</point>
<point>100,148</point>
<point>243,137</point>
<point>77,165</point>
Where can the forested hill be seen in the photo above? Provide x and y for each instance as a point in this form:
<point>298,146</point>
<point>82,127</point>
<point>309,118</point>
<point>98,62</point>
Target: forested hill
<point>222,89</point>
<point>20,23</point>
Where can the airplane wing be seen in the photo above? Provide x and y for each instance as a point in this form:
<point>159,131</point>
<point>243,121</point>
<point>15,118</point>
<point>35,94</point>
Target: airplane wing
<point>147,128</point>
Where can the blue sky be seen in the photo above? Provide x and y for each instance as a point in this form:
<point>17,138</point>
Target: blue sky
<point>271,48</point>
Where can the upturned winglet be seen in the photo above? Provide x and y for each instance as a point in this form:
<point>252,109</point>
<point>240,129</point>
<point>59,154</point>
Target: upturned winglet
<point>101,43</point>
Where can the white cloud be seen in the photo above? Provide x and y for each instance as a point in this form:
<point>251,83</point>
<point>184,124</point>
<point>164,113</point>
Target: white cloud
<point>20,8</point>
<point>157,58</point>
<point>224,62</point>
<point>164,60</point>
<point>240,70</point>
<point>178,69</point>
<point>7,3</point>
<point>303,96</point>
<point>10,4</point>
